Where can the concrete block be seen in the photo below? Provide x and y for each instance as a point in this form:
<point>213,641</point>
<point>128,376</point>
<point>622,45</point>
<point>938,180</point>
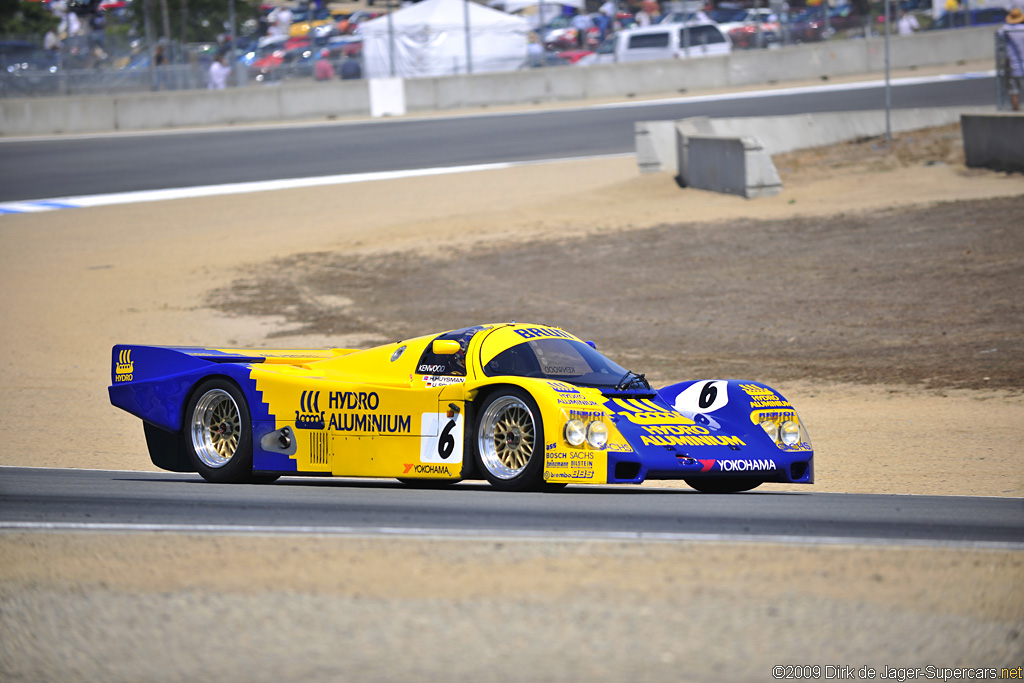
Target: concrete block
<point>731,165</point>
<point>387,97</point>
<point>696,125</point>
<point>656,146</point>
<point>994,141</point>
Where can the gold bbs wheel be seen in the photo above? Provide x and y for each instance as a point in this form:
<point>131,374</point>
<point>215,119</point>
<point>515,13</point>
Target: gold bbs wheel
<point>510,440</point>
<point>218,434</point>
<point>216,428</point>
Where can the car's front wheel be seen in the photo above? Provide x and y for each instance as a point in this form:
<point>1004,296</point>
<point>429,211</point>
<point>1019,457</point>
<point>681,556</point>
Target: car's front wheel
<point>509,444</point>
<point>218,434</point>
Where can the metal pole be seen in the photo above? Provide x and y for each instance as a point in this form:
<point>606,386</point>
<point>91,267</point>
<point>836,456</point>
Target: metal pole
<point>167,20</point>
<point>391,39</point>
<point>150,43</point>
<point>888,90</point>
<point>758,36</point>
<point>469,40</point>
<point>232,58</point>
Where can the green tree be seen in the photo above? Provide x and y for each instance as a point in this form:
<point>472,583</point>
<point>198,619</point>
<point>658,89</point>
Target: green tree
<point>24,18</point>
<point>203,20</point>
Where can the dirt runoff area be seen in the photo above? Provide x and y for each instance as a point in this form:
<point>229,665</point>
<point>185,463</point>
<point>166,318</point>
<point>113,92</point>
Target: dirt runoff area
<point>880,292</point>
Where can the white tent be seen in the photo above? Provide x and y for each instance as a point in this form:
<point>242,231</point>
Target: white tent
<point>429,39</point>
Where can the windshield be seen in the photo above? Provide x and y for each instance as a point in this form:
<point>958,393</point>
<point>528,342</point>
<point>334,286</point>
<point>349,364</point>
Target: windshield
<point>565,360</point>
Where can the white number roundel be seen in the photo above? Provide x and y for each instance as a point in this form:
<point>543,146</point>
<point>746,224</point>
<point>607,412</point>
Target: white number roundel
<point>705,396</point>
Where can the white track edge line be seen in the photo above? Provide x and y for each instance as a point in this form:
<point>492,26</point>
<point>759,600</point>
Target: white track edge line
<point>504,534</point>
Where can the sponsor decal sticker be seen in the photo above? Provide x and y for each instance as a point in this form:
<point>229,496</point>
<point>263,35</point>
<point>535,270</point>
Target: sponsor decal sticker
<point>441,380</point>
<point>309,415</point>
<point>413,468</point>
<point>763,397</point>
<point>124,368</point>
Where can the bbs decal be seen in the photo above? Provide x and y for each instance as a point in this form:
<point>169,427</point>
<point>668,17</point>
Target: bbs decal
<point>442,438</point>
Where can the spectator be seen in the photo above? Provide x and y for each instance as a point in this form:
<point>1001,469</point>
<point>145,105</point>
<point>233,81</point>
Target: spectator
<point>324,70</point>
<point>1013,33</point>
<point>159,60</point>
<point>51,43</point>
<point>582,23</point>
<point>534,50</point>
<point>907,24</point>
<point>350,69</point>
<point>218,74</point>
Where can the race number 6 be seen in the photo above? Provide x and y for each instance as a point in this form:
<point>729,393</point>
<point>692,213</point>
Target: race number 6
<point>442,438</point>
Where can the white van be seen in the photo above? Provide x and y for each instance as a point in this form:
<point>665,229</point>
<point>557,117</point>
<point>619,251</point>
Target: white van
<point>661,41</point>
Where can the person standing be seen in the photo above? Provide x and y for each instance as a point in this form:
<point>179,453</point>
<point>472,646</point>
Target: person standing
<point>218,74</point>
<point>324,70</point>
<point>907,24</point>
<point>1013,33</point>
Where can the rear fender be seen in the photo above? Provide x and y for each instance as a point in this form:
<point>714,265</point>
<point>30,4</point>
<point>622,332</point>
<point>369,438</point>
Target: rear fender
<point>154,382</point>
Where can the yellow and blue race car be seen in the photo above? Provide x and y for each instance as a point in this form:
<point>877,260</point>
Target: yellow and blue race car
<point>525,407</point>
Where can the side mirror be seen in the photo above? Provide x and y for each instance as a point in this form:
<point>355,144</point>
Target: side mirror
<point>446,347</point>
<point>591,345</point>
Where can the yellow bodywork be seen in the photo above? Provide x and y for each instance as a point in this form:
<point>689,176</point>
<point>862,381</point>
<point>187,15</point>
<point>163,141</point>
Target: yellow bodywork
<point>381,413</point>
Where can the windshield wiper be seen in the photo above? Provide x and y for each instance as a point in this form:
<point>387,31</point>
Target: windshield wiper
<point>630,380</point>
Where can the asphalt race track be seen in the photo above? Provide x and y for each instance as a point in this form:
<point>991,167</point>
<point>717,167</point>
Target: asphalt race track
<point>87,165</point>
<point>97,499</point>
<point>64,499</point>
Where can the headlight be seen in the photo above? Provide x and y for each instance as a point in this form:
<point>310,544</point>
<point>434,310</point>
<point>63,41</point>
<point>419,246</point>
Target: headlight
<point>575,432</point>
<point>790,433</point>
<point>597,434</point>
<point>771,429</point>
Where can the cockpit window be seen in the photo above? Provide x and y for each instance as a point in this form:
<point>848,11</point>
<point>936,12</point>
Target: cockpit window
<point>447,364</point>
<point>565,360</point>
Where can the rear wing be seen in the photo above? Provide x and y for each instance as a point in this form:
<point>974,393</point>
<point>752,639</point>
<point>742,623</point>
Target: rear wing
<point>130,363</point>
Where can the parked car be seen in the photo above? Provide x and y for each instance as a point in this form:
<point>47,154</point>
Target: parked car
<point>559,34</point>
<point>810,25</point>
<point>975,17</point>
<point>661,41</point>
<point>742,26</point>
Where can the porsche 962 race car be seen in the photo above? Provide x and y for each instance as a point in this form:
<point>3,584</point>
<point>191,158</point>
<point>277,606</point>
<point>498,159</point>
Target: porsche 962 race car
<point>522,406</point>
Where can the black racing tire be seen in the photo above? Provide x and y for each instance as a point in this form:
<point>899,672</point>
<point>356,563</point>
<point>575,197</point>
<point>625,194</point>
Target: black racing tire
<point>723,484</point>
<point>508,443</point>
<point>218,434</point>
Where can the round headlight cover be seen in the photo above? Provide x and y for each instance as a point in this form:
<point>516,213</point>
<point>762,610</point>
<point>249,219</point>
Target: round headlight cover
<point>771,429</point>
<point>597,434</point>
<point>790,433</point>
<point>575,432</point>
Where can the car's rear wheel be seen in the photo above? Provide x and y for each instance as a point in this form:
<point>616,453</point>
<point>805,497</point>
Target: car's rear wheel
<point>218,434</point>
<point>723,484</point>
<point>509,444</point>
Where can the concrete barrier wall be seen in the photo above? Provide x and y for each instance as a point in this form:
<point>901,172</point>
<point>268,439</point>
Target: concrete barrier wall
<point>296,101</point>
<point>994,141</point>
<point>661,145</point>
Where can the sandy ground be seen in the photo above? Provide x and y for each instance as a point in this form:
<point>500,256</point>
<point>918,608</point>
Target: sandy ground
<point>169,607</point>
